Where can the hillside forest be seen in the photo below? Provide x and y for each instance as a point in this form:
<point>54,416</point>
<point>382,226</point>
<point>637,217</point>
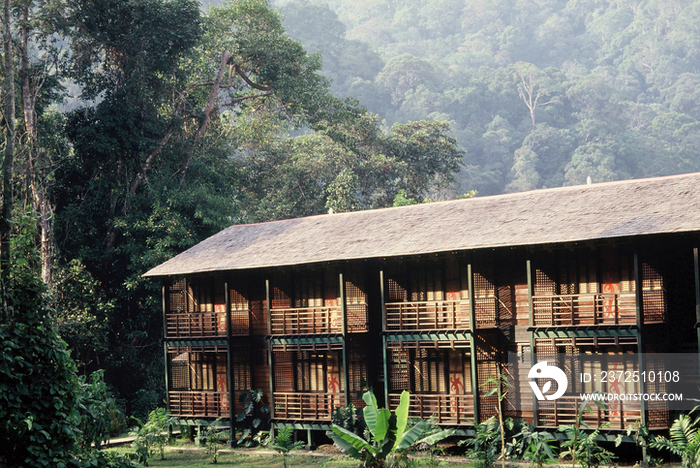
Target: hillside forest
<point>539,93</point>
<point>133,129</point>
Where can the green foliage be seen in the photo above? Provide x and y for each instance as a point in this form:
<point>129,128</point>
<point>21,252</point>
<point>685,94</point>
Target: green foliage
<point>606,90</point>
<point>683,440</point>
<point>283,443</point>
<point>153,435</point>
<point>212,436</point>
<point>48,415</point>
<point>39,392</point>
<point>483,447</point>
<point>254,407</point>
<point>539,447</point>
<point>388,435</point>
<point>101,416</point>
<point>582,444</point>
<point>83,312</point>
<point>401,200</point>
<point>348,418</point>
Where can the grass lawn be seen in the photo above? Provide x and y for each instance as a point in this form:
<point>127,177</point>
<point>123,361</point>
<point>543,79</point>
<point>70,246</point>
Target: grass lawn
<point>190,458</point>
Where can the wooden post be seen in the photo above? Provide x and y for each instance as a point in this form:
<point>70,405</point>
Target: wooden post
<point>344,318</point>
<point>384,341</point>
<point>268,309</point>
<point>531,312</point>
<point>164,304</point>
<point>639,309</point>
<point>472,343</point>
<point>229,360</point>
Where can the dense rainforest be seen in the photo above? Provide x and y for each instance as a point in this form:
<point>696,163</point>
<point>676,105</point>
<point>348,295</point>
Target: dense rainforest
<point>539,93</point>
<point>133,129</point>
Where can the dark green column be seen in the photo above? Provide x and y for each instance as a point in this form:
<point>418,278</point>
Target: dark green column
<point>472,343</point>
<point>385,362</point>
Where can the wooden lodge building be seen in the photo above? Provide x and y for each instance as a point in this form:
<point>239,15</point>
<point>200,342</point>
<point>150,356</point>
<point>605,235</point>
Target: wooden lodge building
<point>431,298</point>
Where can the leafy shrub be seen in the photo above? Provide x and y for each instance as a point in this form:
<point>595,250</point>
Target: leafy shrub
<point>283,443</point>
<point>252,415</point>
<point>212,436</point>
<point>153,435</point>
<point>39,390</point>
<point>683,441</point>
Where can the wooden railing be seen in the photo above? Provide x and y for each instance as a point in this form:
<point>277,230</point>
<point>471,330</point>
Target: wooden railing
<point>427,315</point>
<point>306,406</point>
<point>199,324</point>
<point>563,410</point>
<point>306,320</point>
<point>585,309</point>
<point>199,403</point>
<point>444,409</point>
<point>206,324</point>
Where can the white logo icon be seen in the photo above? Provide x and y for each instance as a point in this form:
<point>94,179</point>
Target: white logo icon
<point>542,371</point>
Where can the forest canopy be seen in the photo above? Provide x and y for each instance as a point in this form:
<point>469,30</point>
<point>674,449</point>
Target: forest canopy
<point>538,93</point>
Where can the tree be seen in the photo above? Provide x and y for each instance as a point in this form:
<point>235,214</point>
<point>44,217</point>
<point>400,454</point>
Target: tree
<point>8,117</point>
<point>524,175</point>
<point>536,88</point>
<point>153,155</point>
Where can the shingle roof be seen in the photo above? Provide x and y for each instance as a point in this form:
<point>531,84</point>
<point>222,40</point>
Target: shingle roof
<point>567,214</point>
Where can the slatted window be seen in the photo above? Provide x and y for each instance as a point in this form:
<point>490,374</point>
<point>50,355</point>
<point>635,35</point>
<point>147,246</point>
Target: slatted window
<point>464,279</point>
<point>544,284</point>
<point>578,275</point>
<point>240,312</point>
<point>356,308</point>
<point>627,274</point>
<point>310,372</point>
<point>400,371</point>
<point>177,297</point>
<point>240,369</point>
<point>429,371</point>
<point>308,292</point>
<point>283,371</point>
<point>426,285</point>
<point>395,292</point>
<point>180,372</point>
<point>196,371</point>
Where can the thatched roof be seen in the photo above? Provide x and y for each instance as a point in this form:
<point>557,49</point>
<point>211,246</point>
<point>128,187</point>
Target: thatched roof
<point>568,214</point>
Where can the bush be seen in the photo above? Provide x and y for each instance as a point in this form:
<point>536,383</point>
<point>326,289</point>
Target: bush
<point>39,391</point>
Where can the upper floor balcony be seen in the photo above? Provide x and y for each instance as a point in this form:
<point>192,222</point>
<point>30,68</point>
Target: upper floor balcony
<point>306,320</point>
<point>438,315</point>
<point>206,324</point>
<point>585,309</point>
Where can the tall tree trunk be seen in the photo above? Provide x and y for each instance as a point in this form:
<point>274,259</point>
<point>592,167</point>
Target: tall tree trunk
<point>8,159</point>
<point>40,199</point>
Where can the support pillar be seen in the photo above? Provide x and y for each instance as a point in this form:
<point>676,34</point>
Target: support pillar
<point>531,314</point>
<point>271,374</point>
<point>639,309</point>
<point>472,343</point>
<point>229,360</point>
<point>344,318</point>
<point>385,362</point>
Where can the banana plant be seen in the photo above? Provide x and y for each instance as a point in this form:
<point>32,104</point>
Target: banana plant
<point>388,437</point>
